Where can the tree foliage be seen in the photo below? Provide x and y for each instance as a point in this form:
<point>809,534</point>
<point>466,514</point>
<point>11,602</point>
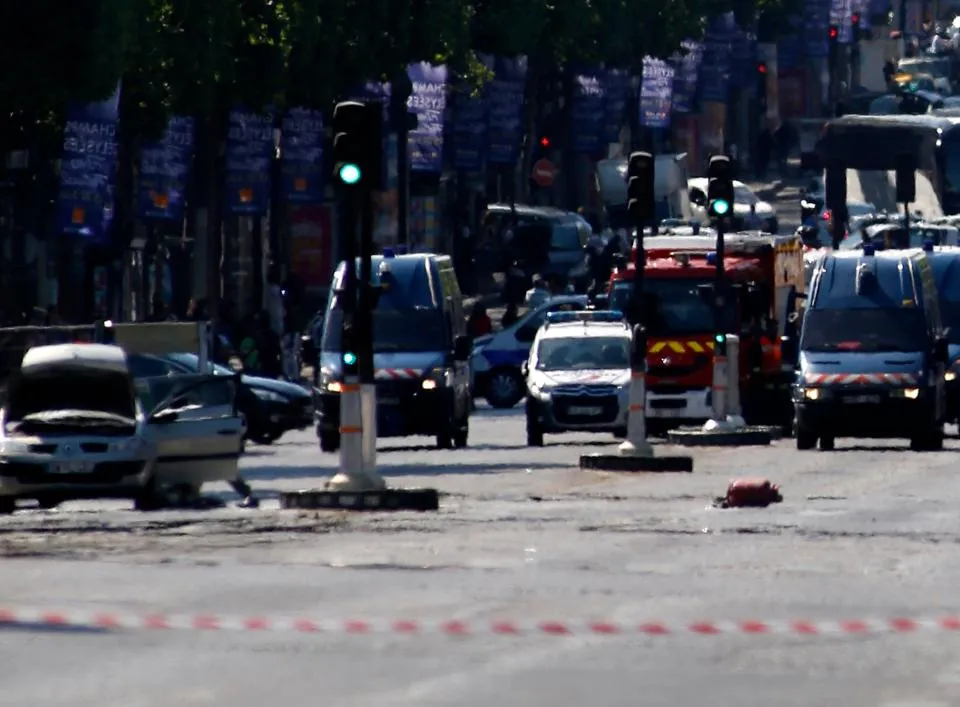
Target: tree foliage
<point>197,56</point>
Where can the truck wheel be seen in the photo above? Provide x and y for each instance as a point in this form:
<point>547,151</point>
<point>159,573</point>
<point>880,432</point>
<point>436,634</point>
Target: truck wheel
<point>506,388</point>
<point>827,444</point>
<point>329,440</point>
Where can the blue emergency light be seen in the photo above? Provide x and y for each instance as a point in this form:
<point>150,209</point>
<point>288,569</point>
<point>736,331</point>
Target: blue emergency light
<point>868,249</point>
<point>928,245</point>
<point>711,258</point>
<point>388,253</point>
<point>606,315</point>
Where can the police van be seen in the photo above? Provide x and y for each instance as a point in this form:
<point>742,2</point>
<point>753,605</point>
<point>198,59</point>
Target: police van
<point>945,261</point>
<point>497,357</point>
<point>421,353</point>
<point>872,351</point>
<point>578,375</point>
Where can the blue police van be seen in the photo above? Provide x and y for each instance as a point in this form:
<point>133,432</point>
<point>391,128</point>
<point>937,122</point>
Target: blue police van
<point>872,351</point>
<point>945,261</point>
<point>421,353</point>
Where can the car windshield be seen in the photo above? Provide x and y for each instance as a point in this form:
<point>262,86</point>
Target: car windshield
<point>191,362</point>
<point>89,391</point>
<point>743,195</point>
<point>864,330</point>
<point>583,354</point>
<point>415,329</point>
<point>674,306</point>
<point>565,236</point>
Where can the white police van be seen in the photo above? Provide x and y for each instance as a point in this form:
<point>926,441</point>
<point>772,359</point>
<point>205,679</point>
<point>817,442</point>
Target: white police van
<point>578,375</point>
<point>497,358</point>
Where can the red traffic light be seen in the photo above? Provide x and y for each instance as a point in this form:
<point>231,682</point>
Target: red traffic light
<point>761,68</point>
<point>834,32</point>
<point>855,18</point>
<point>544,142</point>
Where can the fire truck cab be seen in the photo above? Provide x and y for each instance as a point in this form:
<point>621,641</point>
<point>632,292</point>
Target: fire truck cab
<point>766,275</point>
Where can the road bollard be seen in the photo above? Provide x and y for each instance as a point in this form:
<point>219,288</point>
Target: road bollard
<point>734,413</point>
<point>636,444</point>
<point>352,475</point>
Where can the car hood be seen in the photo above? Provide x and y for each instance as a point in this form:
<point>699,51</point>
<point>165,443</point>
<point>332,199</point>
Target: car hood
<point>830,363</point>
<point>285,388</point>
<point>417,362</point>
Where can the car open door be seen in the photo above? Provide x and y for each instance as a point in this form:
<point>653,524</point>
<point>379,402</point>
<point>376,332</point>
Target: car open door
<point>196,427</point>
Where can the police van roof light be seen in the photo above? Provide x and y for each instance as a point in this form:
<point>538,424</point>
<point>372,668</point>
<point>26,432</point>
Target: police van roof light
<point>388,253</point>
<point>928,245</point>
<point>606,315</point>
<point>712,258</point>
<point>869,249</point>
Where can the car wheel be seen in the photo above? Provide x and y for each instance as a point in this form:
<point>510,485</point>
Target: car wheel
<point>266,436</point>
<point>505,389</point>
<point>329,440</point>
<point>827,444</point>
<point>805,439</point>
<point>150,498</point>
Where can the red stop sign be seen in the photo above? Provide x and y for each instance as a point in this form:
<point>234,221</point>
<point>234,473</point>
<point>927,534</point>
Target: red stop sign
<point>544,172</point>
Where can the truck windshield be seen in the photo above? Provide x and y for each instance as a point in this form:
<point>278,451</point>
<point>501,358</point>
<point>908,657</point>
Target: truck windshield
<point>674,306</point>
<point>865,330</point>
<point>419,329</point>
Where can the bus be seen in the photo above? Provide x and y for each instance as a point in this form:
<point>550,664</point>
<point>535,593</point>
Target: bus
<point>873,142</point>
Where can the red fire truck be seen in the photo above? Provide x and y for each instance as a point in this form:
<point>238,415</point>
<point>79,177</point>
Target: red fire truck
<point>766,275</point>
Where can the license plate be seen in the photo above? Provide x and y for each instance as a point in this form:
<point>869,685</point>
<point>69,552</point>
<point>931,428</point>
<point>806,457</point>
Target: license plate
<point>585,410</point>
<point>71,467</point>
<point>862,399</point>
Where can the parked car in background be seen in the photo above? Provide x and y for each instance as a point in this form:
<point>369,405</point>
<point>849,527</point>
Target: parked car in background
<point>271,407</point>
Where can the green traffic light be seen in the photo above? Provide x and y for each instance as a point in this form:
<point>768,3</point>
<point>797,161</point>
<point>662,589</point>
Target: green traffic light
<point>349,173</point>
<point>349,358</point>
<point>720,338</point>
<point>720,207</point>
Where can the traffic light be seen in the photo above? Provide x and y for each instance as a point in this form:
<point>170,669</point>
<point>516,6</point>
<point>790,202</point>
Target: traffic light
<point>833,34</point>
<point>348,343</point>
<point>762,82</point>
<point>720,186</point>
<point>358,145</point>
<point>855,24</point>
<point>762,68</point>
<point>545,142</point>
<point>641,202</point>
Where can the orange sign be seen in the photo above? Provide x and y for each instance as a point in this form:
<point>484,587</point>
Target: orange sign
<point>544,172</point>
<point>246,195</point>
<point>78,215</point>
<point>300,184</point>
<point>160,200</point>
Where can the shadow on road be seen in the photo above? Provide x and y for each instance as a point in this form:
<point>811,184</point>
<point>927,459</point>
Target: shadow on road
<point>438,467</point>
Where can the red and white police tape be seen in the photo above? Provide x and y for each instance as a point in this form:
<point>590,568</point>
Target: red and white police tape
<point>89,619</point>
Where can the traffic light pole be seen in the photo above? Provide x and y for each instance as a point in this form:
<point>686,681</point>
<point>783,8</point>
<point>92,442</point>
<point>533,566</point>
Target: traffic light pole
<point>368,390</point>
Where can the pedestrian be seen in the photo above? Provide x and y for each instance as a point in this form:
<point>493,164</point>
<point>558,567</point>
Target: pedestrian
<point>291,351</point>
<point>764,148</point>
<point>478,323</point>
<point>510,316</point>
<point>537,294</point>
<point>249,345</point>
<point>269,346</point>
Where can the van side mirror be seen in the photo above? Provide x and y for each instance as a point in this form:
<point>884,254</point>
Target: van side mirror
<point>941,350</point>
<point>461,348</point>
<point>524,369</point>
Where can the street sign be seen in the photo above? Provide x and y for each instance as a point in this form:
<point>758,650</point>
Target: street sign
<point>544,172</point>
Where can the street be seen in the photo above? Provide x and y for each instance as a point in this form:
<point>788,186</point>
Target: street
<point>864,534</point>
<point>868,531</point>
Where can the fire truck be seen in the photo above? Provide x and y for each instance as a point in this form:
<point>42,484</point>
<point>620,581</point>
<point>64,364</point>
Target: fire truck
<point>765,274</point>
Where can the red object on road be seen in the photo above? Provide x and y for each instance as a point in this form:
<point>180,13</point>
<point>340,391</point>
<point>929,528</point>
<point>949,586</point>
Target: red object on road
<point>544,172</point>
<point>751,493</point>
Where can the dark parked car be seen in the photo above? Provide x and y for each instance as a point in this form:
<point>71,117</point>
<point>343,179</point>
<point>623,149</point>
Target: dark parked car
<point>271,407</point>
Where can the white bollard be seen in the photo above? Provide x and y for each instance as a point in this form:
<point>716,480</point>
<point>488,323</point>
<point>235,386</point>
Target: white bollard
<point>636,444</point>
<point>352,475</point>
<point>734,416</point>
<point>719,394</point>
<point>368,412</point>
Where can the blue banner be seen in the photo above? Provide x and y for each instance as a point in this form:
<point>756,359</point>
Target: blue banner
<point>816,24</point>
<point>250,153</point>
<point>686,65</point>
<point>714,82</point>
<point>88,168</point>
<point>656,91</point>
<point>506,98</point>
<point>840,15</point>
<point>470,127</point>
<point>428,101</point>
<point>743,59</point>
<point>589,114</point>
<point>790,47</point>
<point>301,156</point>
<point>164,172</point>
<point>616,91</point>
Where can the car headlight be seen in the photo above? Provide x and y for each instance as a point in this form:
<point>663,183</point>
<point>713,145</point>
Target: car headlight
<point>9,446</point>
<point>539,390</point>
<point>268,395</point>
<point>437,378</point>
<point>950,376</point>
<point>133,444</point>
<point>328,384</point>
<point>812,393</point>
<point>908,393</point>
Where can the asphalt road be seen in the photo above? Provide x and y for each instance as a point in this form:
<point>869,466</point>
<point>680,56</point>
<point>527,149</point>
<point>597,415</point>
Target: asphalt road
<point>870,530</point>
